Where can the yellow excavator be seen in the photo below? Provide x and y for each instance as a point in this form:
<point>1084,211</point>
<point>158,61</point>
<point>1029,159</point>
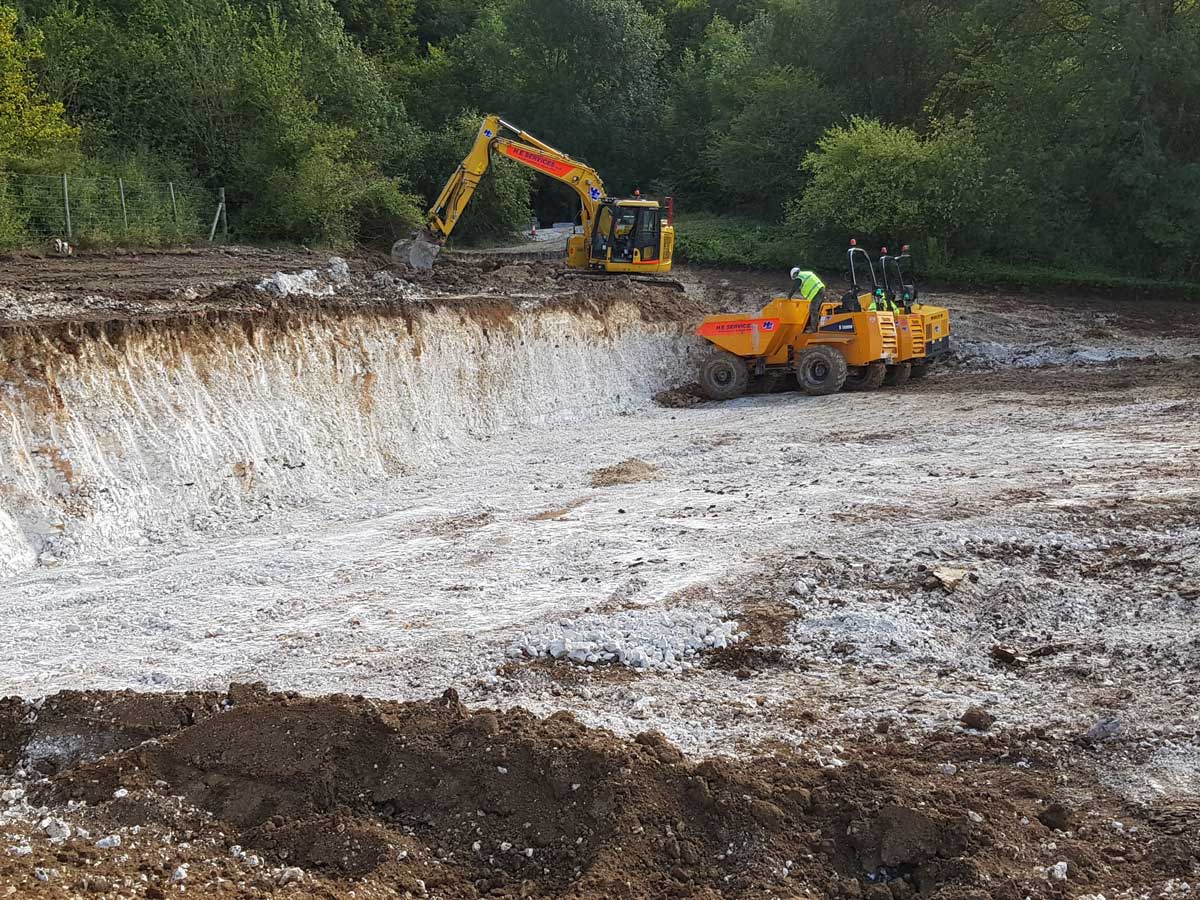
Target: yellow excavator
<point>618,235</point>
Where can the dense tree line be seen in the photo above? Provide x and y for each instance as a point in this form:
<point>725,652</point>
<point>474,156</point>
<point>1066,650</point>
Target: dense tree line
<point>1047,131</point>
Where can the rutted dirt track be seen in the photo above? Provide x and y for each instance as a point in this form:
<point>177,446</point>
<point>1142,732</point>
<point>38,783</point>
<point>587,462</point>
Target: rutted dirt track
<point>1013,540</point>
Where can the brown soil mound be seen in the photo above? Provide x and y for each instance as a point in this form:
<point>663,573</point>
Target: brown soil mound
<point>377,799</point>
<point>631,471</point>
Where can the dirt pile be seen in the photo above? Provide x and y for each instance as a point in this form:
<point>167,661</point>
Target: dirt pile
<point>247,791</point>
<point>631,471</point>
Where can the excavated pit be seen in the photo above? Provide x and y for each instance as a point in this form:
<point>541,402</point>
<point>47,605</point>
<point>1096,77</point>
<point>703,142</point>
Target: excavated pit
<point>144,416</point>
<point>341,483</point>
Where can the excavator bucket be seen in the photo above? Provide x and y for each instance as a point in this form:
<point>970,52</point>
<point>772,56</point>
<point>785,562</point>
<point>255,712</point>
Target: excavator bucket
<point>419,251</point>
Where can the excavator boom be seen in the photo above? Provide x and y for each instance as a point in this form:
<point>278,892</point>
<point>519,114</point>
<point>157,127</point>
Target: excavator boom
<point>524,148</point>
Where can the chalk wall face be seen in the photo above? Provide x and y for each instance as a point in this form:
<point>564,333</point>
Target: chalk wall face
<point>114,433</point>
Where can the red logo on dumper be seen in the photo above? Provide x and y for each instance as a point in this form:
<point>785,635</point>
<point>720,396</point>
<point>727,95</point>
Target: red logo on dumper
<point>737,326</point>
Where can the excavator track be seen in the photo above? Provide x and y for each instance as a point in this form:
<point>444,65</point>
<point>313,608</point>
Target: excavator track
<point>555,255</point>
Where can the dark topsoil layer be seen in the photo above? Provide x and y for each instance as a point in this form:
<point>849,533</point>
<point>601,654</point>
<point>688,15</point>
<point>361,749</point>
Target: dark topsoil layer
<point>379,799</point>
<point>109,289</point>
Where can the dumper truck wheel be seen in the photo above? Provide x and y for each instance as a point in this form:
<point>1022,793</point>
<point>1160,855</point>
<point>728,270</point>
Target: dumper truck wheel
<point>820,370</point>
<point>898,375</point>
<point>724,376</point>
<point>866,378</point>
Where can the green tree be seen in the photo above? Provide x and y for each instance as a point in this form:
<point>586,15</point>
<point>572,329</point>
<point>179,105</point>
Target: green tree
<point>885,184</point>
<point>584,75</point>
<point>275,101</point>
<point>1096,104</point>
<point>384,28</point>
<point>757,158</point>
<point>438,22</point>
<point>500,207</point>
<point>31,124</point>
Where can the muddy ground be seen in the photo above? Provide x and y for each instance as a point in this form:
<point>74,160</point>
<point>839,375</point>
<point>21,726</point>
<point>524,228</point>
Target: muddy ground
<point>968,662</point>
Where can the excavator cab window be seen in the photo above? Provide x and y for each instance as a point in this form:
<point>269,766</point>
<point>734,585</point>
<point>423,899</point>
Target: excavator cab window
<point>624,230</point>
<point>602,237</point>
<point>625,235</point>
<point>649,233</point>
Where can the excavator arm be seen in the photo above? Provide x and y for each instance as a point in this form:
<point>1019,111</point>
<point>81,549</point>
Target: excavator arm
<point>524,148</point>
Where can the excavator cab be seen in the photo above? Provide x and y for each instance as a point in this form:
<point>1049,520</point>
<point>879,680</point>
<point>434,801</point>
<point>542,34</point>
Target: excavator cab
<point>628,236</point>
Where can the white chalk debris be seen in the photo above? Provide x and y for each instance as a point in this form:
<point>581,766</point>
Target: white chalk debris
<point>55,829</point>
<point>989,355</point>
<point>658,640</point>
<point>310,282</point>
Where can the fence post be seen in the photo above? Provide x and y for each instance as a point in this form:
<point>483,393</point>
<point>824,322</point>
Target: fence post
<point>174,208</point>
<point>67,206</point>
<point>224,219</point>
<point>124,209</point>
<point>212,232</point>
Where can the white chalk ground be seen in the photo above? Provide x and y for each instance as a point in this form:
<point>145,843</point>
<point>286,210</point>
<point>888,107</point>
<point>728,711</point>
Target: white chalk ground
<point>1069,493</point>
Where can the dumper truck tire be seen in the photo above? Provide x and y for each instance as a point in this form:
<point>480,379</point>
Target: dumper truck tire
<point>820,370</point>
<point>724,376</point>
<point>866,378</point>
<point>898,375</point>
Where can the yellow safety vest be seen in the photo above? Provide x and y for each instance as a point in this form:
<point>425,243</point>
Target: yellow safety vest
<point>810,285</point>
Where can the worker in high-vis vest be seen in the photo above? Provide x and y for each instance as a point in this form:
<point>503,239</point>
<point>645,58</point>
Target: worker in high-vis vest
<point>810,287</point>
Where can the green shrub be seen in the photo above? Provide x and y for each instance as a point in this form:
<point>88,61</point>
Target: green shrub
<point>383,213</point>
<point>13,222</point>
<point>705,239</point>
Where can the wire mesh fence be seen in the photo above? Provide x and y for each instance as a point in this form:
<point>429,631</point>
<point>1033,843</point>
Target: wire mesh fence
<point>101,209</point>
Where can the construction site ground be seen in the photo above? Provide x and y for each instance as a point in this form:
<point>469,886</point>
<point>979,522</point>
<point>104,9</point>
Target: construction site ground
<point>348,693</point>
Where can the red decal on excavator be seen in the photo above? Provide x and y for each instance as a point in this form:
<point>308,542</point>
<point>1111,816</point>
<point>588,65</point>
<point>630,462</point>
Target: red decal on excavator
<point>545,163</point>
<point>737,326</point>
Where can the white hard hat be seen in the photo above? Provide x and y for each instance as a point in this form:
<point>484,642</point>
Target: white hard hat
<point>795,272</point>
